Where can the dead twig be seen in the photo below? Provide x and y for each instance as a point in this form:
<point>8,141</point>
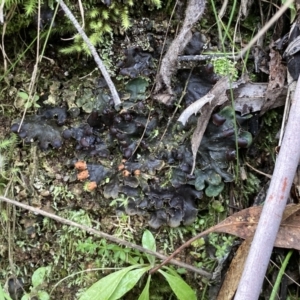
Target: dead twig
<point>103,235</point>
<point>163,91</point>
<point>97,58</point>
<point>276,16</point>
<point>257,171</point>
<point>206,56</point>
<point>278,193</point>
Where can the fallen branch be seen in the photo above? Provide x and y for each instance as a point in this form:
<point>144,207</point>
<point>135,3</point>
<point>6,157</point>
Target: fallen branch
<point>163,90</point>
<point>205,57</point>
<point>218,91</point>
<point>281,182</point>
<point>243,224</point>
<point>104,235</point>
<point>97,58</point>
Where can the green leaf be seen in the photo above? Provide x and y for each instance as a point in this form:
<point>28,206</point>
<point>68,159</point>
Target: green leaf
<point>4,295</point>
<point>148,242</point>
<point>43,295</point>
<point>39,275</point>
<point>180,288</point>
<point>145,293</point>
<point>23,95</point>
<point>217,206</point>
<point>128,282</point>
<point>172,272</point>
<point>293,11</point>
<point>105,287</point>
<point>28,105</point>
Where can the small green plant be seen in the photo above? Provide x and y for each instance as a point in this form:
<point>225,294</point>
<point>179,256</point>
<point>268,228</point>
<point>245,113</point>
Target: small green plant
<point>221,243</point>
<point>120,201</point>
<point>29,102</point>
<point>117,284</point>
<point>61,192</point>
<point>108,253</point>
<point>225,67</point>
<point>3,295</point>
<point>102,21</point>
<point>6,152</point>
<point>250,186</point>
<point>38,279</point>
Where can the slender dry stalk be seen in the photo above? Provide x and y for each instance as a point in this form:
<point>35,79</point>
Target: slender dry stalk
<point>97,58</point>
<point>269,222</point>
<point>103,235</point>
<point>276,16</point>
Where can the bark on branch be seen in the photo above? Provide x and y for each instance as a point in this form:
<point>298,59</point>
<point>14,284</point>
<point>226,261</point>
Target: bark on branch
<point>266,232</point>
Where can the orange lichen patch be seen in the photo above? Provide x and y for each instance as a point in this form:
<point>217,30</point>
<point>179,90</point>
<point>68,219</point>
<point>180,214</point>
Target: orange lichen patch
<point>126,173</point>
<point>90,186</point>
<point>137,172</point>
<point>121,167</point>
<point>80,165</point>
<point>83,175</point>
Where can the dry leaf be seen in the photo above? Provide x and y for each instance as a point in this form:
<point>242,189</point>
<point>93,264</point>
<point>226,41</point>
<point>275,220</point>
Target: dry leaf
<point>277,70</point>
<point>286,238</point>
<point>250,97</point>
<point>218,95</point>
<point>288,235</point>
<point>277,79</point>
<point>235,271</point>
<point>243,224</point>
<point>214,97</point>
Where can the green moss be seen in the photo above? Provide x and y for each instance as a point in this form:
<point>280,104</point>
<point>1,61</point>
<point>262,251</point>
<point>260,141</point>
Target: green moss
<point>6,155</point>
<point>225,67</point>
<point>100,21</point>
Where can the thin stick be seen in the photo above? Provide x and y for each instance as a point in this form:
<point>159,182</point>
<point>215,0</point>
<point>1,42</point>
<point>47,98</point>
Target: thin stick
<point>33,80</point>
<point>97,58</point>
<point>206,56</point>
<point>104,235</point>
<point>277,15</point>
<point>257,171</point>
<point>271,215</point>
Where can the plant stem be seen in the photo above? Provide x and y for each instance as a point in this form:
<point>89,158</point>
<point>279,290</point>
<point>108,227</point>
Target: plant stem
<point>280,275</point>
<point>276,16</point>
<point>278,193</point>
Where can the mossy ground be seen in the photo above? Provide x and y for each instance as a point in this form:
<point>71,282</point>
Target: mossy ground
<point>47,180</point>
